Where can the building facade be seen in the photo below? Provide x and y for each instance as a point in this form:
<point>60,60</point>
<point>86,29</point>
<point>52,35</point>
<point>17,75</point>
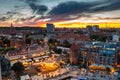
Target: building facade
<point>50,28</point>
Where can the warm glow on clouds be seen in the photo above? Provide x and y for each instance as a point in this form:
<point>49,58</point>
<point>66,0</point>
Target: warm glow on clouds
<point>62,13</point>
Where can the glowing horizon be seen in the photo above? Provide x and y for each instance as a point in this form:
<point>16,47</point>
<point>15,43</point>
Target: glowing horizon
<point>69,25</point>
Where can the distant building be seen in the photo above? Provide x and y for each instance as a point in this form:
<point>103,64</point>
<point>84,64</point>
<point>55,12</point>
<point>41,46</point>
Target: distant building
<point>100,54</point>
<point>89,28</point>
<point>73,38</point>
<point>95,28</point>
<point>16,40</point>
<point>74,54</point>
<point>50,28</point>
<point>88,55</point>
<point>4,66</point>
<point>92,28</point>
<point>116,38</point>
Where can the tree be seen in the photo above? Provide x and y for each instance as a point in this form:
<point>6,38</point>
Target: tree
<point>18,67</point>
<point>51,41</point>
<point>108,70</point>
<point>5,50</point>
<point>98,38</point>
<point>65,52</point>
<point>59,51</point>
<point>7,42</point>
<point>28,40</point>
<point>66,44</point>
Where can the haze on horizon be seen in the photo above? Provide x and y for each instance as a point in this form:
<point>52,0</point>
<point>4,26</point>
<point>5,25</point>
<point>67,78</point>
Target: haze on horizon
<point>62,13</point>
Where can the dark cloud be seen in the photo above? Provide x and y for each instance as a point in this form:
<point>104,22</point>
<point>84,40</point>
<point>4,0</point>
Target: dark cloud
<point>65,10</point>
<point>71,7</point>
<point>37,19</point>
<point>19,7</point>
<point>42,9</point>
<point>69,16</point>
<point>79,7</point>
<point>36,8</point>
<point>20,19</point>
<point>11,13</point>
<point>4,18</point>
<point>31,1</point>
<point>39,9</point>
<point>24,19</point>
<point>16,6</point>
<point>111,18</point>
<point>28,1</point>
<point>113,5</point>
<point>31,17</point>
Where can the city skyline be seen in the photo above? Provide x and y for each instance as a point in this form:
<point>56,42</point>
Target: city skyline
<point>76,13</point>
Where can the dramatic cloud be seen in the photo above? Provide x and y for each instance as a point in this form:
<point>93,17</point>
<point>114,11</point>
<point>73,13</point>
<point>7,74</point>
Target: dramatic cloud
<point>79,7</point>
<point>71,7</point>
<point>70,10</point>
<point>67,10</point>
<point>36,8</point>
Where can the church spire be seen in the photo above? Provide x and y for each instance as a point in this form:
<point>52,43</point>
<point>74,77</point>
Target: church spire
<point>11,25</point>
<point>12,29</point>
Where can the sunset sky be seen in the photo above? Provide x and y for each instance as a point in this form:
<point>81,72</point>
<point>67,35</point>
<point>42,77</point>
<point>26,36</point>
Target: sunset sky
<point>62,13</point>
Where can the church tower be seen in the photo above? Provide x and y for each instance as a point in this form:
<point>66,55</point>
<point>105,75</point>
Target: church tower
<point>12,33</point>
<point>12,29</point>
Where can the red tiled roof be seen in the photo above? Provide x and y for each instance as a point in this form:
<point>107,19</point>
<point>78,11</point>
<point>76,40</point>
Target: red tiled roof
<point>77,37</point>
<point>97,33</point>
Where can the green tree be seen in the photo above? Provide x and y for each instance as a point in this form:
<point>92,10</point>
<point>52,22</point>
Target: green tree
<point>108,70</point>
<point>51,41</point>
<point>66,43</point>
<point>7,42</point>
<point>5,50</point>
<point>98,38</point>
<point>59,51</point>
<point>28,40</point>
<point>65,52</point>
<point>18,67</point>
